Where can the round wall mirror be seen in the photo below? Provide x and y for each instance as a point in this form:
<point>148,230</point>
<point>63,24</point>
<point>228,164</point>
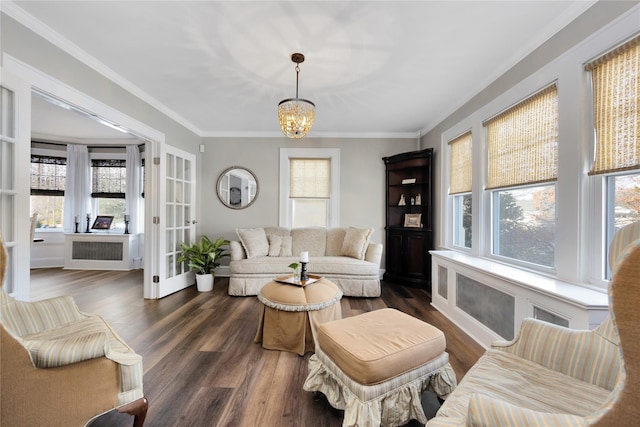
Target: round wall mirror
<point>237,187</point>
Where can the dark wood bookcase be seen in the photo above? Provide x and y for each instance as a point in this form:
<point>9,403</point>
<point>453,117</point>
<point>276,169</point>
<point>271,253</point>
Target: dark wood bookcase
<point>409,227</point>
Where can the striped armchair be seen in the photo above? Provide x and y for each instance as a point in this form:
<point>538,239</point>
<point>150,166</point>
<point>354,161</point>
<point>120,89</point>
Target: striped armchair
<point>554,376</point>
<point>61,367</point>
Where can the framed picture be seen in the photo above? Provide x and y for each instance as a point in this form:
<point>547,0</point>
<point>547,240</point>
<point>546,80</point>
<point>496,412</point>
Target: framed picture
<point>412,220</point>
<point>102,222</point>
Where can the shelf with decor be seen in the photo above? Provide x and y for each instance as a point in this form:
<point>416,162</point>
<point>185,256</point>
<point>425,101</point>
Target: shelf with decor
<point>409,216</point>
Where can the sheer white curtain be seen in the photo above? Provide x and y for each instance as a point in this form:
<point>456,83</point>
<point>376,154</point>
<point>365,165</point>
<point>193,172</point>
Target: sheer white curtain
<point>133,191</point>
<point>77,191</point>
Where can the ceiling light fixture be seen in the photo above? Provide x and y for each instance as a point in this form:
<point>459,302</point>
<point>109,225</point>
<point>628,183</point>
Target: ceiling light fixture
<point>296,114</point>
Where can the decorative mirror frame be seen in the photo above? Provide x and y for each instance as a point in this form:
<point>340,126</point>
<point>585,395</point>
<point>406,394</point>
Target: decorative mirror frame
<point>219,189</point>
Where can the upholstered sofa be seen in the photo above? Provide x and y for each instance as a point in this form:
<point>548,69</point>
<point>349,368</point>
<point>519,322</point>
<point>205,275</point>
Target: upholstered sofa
<point>344,256</point>
<point>555,376</point>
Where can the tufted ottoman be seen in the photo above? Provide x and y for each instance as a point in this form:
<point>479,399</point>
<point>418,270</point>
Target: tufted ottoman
<point>376,365</point>
<point>290,314</point>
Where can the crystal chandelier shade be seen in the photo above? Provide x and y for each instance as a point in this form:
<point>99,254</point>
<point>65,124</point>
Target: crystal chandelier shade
<point>296,117</point>
<point>296,114</point>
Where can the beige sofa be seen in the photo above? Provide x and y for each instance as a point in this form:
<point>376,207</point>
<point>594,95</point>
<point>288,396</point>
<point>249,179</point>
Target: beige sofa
<point>344,256</point>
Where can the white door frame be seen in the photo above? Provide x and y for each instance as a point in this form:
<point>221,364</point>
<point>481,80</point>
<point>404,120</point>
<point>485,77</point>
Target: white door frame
<point>156,140</point>
<point>16,216</point>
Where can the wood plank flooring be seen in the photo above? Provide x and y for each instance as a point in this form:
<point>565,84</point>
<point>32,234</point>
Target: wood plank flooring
<point>201,365</point>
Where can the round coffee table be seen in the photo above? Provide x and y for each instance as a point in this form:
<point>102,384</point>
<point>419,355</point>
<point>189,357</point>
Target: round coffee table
<point>290,314</point>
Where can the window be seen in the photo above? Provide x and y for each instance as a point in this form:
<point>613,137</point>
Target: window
<point>522,145</point>
<point>460,189</point>
<point>616,113</point>
<point>48,176</point>
<point>309,183</point>
<point>309,191</point>
<point>108,179</point>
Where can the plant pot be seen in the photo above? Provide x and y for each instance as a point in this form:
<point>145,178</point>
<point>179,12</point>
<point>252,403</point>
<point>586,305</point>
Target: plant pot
<point>204,282</point>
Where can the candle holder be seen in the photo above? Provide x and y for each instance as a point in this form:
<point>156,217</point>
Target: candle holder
<point>303,272</point>
<point>76,223</point>
<point>126,226</point>
<point>88,221</point>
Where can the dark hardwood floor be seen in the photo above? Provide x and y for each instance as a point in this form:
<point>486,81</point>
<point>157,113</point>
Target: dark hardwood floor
<point>201,366</point>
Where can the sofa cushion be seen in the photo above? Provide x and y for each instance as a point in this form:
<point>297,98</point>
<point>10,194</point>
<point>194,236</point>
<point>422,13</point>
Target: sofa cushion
<point>254,241</point>
<point>311,239</point>
<point>355,242</point>
<point>321,266</point>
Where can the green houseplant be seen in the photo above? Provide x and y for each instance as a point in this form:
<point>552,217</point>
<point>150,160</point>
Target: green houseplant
<point>203,258</point>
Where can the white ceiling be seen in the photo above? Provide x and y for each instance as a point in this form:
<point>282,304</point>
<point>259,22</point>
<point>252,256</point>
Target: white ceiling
<point>380,68</point>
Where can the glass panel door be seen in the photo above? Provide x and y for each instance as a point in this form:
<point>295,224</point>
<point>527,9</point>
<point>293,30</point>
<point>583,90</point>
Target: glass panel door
<point>14,176</point>
<point>179,222</point>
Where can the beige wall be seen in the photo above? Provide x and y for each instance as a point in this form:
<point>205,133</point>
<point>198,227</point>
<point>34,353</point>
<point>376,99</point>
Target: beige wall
<point>362,178</point>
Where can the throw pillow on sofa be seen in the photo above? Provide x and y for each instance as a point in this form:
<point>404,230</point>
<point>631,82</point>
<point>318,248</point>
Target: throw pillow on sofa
<point>285,248</point>
<point>279,246</point>
<point>254,241</point>
<point>275,243</point>
<point>356,241</point>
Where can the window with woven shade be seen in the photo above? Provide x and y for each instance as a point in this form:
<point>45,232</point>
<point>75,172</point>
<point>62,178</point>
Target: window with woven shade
<point>522,144</point>
<point>616,108</point>
<point>108,188</point>
<point>48,178</point>
<point>460,180</point>
<point>461,161</point>
<point>309,191</point>
<point>615,79</point>
<point>310,178</point>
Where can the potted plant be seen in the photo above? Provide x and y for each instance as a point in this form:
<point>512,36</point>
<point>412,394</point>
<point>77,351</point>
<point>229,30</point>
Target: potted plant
<point>203,258</point>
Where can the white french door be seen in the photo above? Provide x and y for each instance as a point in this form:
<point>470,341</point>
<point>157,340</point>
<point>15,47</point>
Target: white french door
<point>177,222</point>
<point>15,146</point>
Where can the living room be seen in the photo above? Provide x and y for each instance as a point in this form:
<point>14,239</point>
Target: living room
<point>578,275</point>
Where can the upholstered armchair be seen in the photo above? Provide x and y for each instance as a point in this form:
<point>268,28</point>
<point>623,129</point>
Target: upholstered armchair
<point>61,367</point>
<point>554,376</point>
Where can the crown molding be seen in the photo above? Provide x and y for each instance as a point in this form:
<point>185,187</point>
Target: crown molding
<point>312,135</point>
<point>14,11</point>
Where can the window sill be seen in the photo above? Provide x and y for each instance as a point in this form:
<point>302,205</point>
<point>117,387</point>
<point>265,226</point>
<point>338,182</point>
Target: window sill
<point>569,292</point>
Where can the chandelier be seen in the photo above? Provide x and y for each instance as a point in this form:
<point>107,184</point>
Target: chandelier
<point>296,114</point>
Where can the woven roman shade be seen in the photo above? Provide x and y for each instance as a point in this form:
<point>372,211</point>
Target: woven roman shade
<point>523,142</point>
<point>616,104</point>
<point>309,178</point>
<point>460,180</point>
<point>48,175</point>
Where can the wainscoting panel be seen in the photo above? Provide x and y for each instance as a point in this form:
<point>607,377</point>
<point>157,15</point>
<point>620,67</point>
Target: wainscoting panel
<point>489,300</point>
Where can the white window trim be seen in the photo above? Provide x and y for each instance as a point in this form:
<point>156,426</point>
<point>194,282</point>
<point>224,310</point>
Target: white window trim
<point>285,212</point>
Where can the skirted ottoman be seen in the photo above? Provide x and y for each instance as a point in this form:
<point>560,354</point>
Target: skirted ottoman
<point>376,365</point>
<point>290,314</point>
